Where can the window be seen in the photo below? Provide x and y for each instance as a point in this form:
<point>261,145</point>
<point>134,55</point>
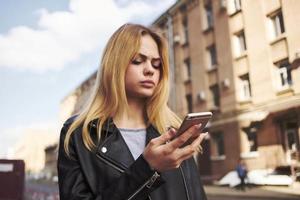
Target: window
<point>187,64</point>
<point>214,89</point>
<point>234,6</point>
<point>239,43</point>
<point>252,139</point>
<point>276,25</point>
<point>209,20</point>
<point>185,31</point>
<point>283,74</point>
<point>291,135</point>
<point>189,100</point>
<point>237,5</point>
<point>217,144</point>
<point>212,56</point>
<point>291,138</point>
<point>245,88</point>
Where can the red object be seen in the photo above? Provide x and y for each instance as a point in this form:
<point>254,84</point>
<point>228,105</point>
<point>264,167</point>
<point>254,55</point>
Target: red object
<point>12,176</point>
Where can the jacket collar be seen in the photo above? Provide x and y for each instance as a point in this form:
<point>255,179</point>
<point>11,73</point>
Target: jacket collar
<point>110,127</point>
<point>108,124</point>
<point>113,147</point>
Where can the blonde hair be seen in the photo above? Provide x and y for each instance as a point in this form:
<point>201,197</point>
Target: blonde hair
<point>109,95</point>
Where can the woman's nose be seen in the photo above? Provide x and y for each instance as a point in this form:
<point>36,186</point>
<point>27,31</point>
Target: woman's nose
<point>148,69</point>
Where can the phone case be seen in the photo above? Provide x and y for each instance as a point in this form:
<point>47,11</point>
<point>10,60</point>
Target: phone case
<point>193,119</point>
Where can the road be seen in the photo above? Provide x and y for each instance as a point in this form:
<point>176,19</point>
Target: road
<point>251,193</point>
<point>41,191</point>
<point>239,198</point>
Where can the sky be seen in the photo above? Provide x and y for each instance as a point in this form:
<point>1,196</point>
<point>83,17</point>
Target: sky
<point>49,47</point>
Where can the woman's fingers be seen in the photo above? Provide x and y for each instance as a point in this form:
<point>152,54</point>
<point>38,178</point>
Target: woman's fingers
<point>163,139</point>
<point>163,155</point>
<point>189,150</point>
<point>180,140</point>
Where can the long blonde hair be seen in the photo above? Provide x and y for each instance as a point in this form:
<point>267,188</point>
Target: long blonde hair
<point>109,95</point>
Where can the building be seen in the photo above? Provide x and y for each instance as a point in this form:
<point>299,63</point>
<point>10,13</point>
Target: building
<point>51,153</point>
<point>69,106</point>
<point>30,148</point>
<point>233,57</point>
<point>75,101</point>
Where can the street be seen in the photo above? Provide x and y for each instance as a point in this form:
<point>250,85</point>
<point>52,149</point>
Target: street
<point>248,198</point>
<point>255,192</point>
<point>237,198</point>
<point>41,191</point>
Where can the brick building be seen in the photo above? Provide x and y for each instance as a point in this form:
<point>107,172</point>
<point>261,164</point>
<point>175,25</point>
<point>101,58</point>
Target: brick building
<point>234,58</point>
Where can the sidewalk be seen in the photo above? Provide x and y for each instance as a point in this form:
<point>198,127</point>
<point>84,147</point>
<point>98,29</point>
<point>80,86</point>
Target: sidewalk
<point>267,192</point>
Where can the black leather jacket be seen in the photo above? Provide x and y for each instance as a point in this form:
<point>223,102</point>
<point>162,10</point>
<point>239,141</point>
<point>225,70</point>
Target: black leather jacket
<point>111,173</point>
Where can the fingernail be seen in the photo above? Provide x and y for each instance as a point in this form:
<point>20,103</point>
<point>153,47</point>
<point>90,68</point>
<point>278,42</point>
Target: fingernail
<point>198,126</point>
<point>171,128</point>
<point>172,131</point>
<point>205,135</point>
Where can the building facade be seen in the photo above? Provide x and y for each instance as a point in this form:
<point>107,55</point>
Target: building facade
<point>30,148</point>
<point>75,101</point>
<point>51,153</point>
<point>238,59</point>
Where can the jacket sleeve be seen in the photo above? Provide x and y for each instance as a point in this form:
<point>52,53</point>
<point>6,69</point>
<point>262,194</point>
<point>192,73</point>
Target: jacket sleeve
<point>135,183</point>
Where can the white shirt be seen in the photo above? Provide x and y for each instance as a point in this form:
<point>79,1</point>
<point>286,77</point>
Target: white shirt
<point>135,140</point>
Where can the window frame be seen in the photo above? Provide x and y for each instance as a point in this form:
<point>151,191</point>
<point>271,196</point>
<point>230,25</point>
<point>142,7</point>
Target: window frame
<point>234,6</point>
<point>212,57</point>
<point>189,101</point>
<point>215,93</point>
<point>240,45</point>
<point>208,17</point>
<point>185,31</point>
<point>218,145</point>
<point>276,24</point>
<point>283,75</point>
<point>187,63</point>
<point>245,93</point>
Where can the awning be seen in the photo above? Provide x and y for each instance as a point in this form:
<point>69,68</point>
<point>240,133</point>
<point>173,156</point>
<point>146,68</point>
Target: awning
<point>258,115</point>
<point>260,112</point>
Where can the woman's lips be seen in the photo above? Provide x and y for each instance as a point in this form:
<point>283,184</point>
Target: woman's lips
<point>148,83</point>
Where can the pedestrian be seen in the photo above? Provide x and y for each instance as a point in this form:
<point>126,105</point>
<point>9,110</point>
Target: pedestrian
<point>242,172</point>
<point>119,146</point>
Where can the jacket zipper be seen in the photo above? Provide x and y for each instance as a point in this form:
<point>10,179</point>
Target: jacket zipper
<point>184,182</point>
<point>148,184</point>
<point>110,163</point>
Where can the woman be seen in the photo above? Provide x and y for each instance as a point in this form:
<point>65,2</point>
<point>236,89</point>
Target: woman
<point>119,147</point>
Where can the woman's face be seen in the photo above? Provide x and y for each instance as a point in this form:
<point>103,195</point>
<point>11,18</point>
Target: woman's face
<point>143,72</point>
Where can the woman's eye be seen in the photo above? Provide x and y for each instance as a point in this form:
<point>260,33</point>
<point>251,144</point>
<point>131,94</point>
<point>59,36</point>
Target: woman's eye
<point>136,62</point>
<point>156,64</point>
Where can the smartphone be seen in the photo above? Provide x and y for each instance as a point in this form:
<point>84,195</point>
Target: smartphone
<point>193,119</point>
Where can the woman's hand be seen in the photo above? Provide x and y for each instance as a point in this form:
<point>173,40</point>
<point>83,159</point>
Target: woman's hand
<point>163,155</point>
